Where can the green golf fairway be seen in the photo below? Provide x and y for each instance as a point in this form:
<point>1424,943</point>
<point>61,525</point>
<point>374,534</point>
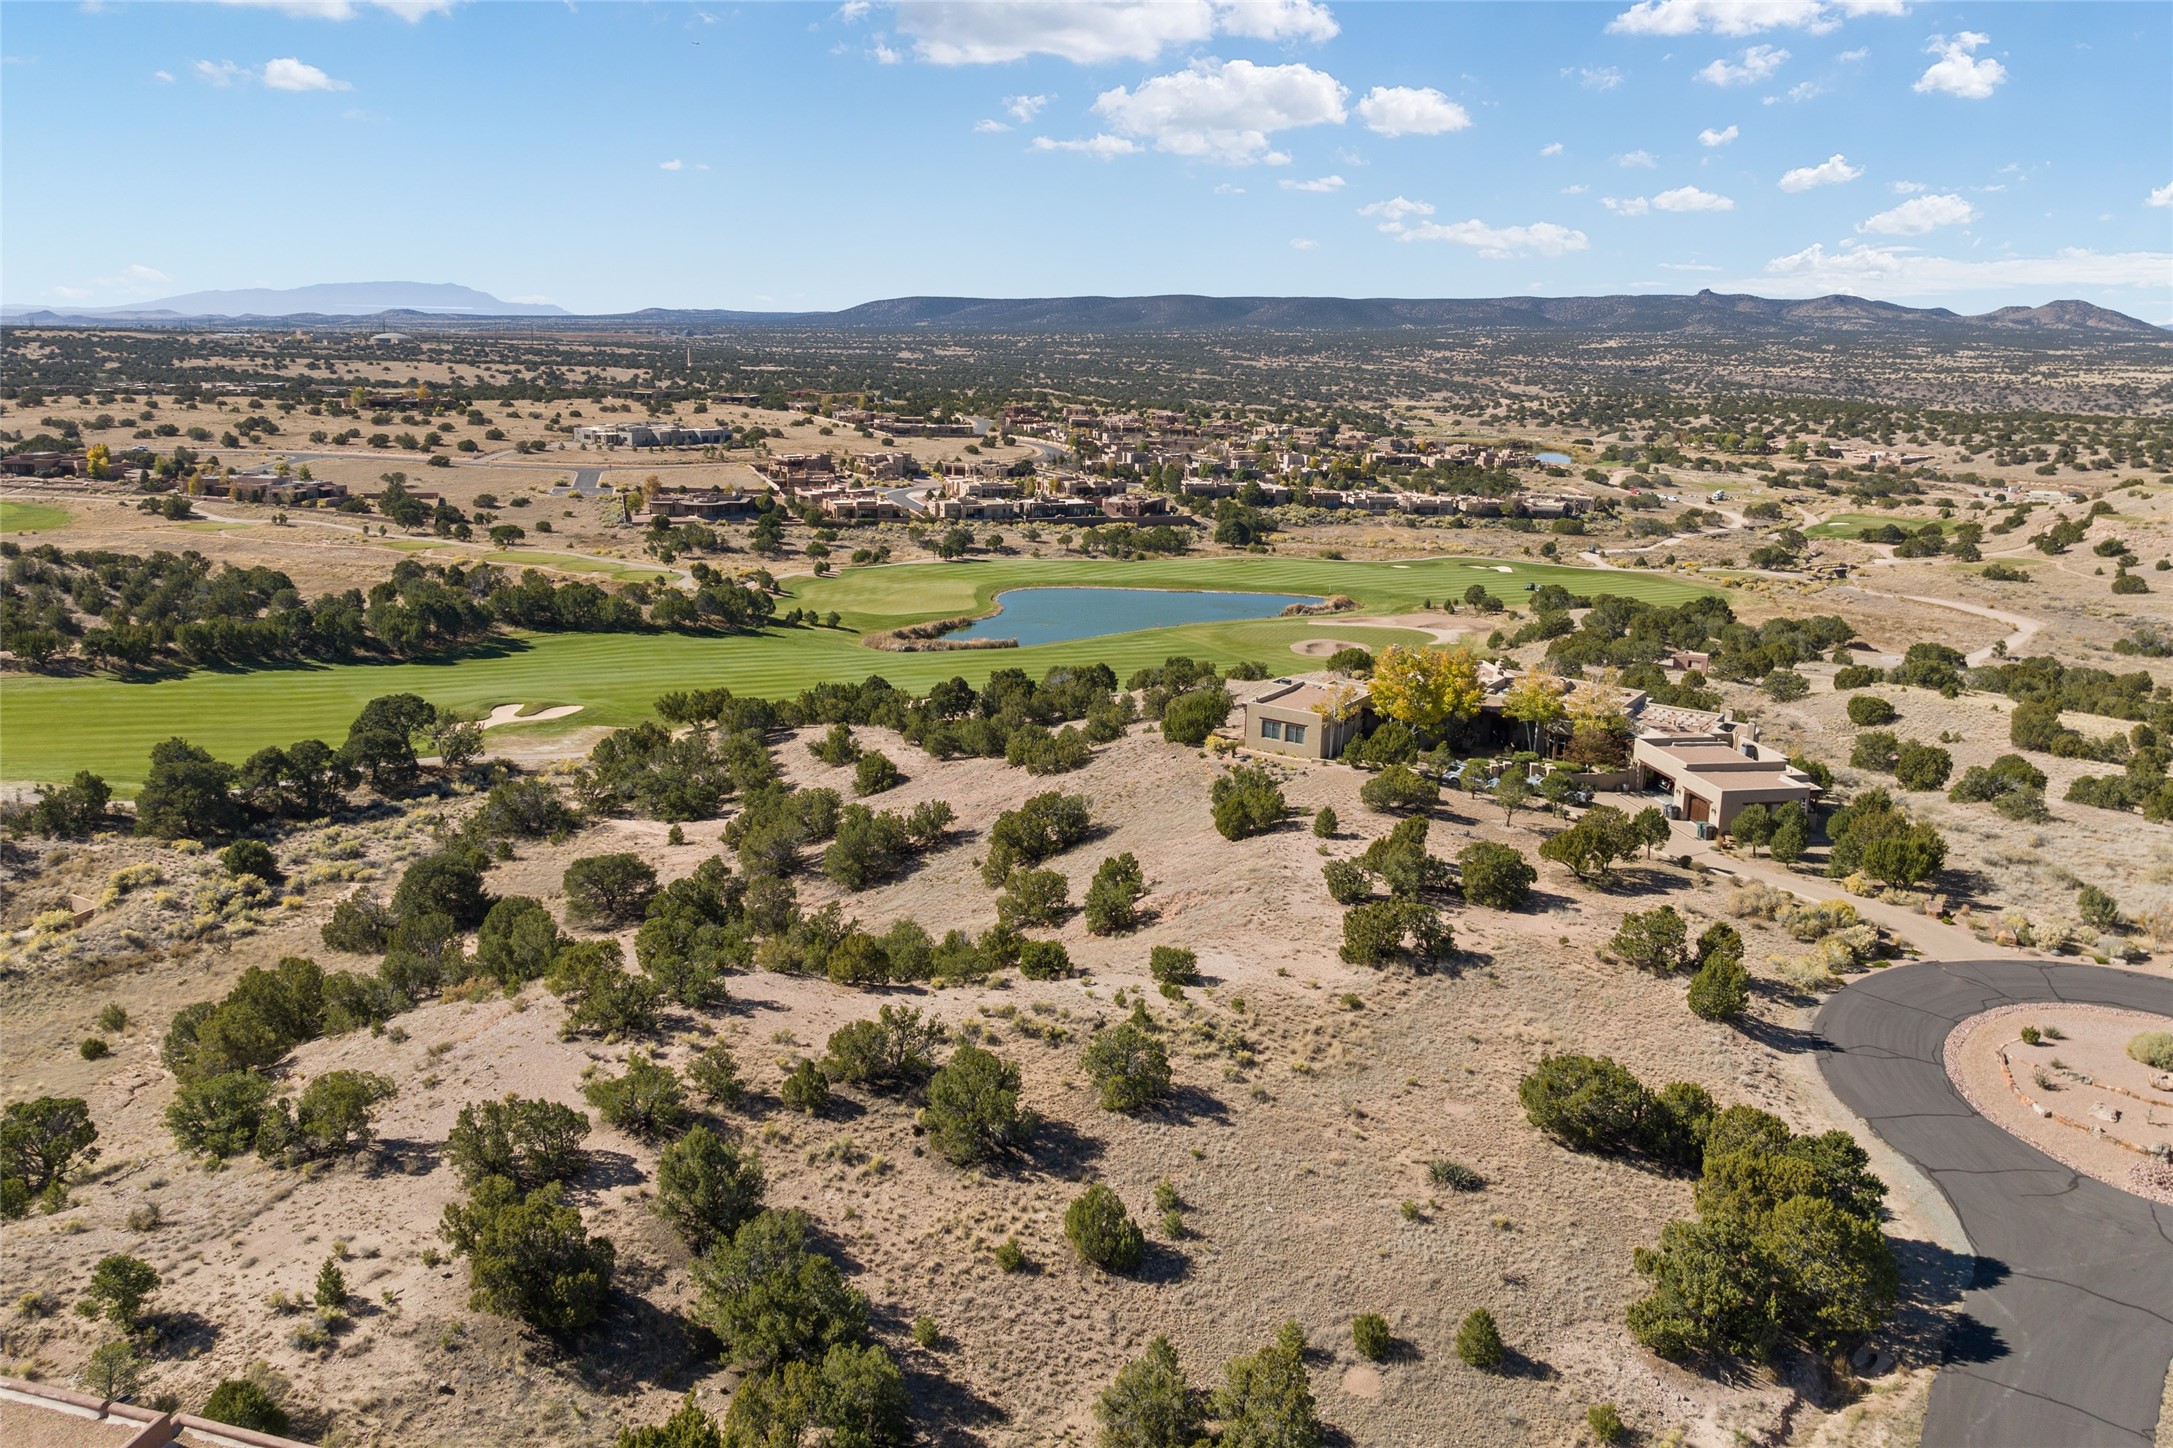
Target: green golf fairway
<point>49,728</point>
<point>32,517</point>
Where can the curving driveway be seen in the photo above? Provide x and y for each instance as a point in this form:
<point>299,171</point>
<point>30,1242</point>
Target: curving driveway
<point>2065,1334</point>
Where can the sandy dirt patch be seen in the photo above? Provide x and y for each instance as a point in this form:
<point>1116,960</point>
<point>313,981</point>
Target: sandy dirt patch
<point>2078,1097</point>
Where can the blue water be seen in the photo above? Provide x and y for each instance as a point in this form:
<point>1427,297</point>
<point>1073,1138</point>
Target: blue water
<point>1053,615</point>
<point>1560,460</point>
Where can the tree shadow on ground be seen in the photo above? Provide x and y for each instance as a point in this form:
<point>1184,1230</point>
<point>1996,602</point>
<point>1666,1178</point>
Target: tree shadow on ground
<point>947,1412</point>
<point>1515,1364</point>
<point>1774,1035</point>
<point>1062,1150</point>
<point>1189,1105</point>
<point>1161,1265</point>
<point>184,1334</point>
<point>636,1344</point>
<point>605,1170</point>
<point>390,1155</point>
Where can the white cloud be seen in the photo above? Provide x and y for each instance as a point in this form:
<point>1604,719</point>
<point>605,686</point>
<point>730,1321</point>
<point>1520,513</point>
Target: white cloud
<point>1101,148</point>
<point>1922,214</point>
<point>1496,243</point>
<point>1744,17</point>
<point>885,54</point>
<point>1224,188</point>
<point>1276,20</point>
<point>1850,57</point>
<point>1711,137</point>
<point>408,10</point>
<point>1023,109</point>
<point>1403,110</point>
<point>288,74</point>
<point>163,77</point>
<point>1596,77</point>
<point>1577,190</point>
<point>1959,73</point>
<point>1552,148</point>
<point>1681,199</point>
<point>1832,171</point>
<point>987,127</point>
<point>1756,63</point>
<point>671,165</point>
<point>1906,188</point>
<point>1096,32</point>
<point>2160,196</point>
<point>1641,159</point>
<point>853,11</point>
<point>1903,271</point>
<point>1392,212</point>
<point>1324,183</point>
<point>1802,90</point>
<point>1303,243</point>
<point>1224,111</point>
<point>221,73</point>
<point>1690,198</point>
<point>1688,266</point>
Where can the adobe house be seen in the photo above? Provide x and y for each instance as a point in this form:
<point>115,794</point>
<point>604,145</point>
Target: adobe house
<point>1713,776</point>
<point>1313,718</point>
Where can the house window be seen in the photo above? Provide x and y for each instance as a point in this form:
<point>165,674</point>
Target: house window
<point>1271,729</point>
<point>1293,733</point>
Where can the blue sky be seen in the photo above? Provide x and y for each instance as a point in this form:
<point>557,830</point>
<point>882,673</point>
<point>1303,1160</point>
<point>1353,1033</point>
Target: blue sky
<point>608,156</point>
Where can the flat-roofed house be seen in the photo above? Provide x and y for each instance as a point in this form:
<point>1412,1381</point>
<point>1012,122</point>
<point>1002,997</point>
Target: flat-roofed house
<point>1715,776</point>
<point>1310,718</point>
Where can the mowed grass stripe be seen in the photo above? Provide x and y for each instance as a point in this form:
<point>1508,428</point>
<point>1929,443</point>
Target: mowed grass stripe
<point>19,517</point>
<point>49,728</point>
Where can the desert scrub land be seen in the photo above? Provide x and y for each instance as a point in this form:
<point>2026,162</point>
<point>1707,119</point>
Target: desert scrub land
<point>1308,1162</point>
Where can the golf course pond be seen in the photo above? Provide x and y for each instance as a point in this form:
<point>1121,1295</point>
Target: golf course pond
<point>1057,615</point>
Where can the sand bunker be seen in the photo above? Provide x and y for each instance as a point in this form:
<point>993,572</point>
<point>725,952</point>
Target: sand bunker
<point>2075,1096</point>
<point>511,714</point>
<point>1321,648</point>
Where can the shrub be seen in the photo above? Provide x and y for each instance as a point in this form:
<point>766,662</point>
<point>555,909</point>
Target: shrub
<point>1247,801</point>
<point>706,1187</point>
<point>527,1141</point>
<point>646,1101</point>
<point>1604,1423</point>
<point>1454,1176</point>
<point>973,1108</point>
<point>1045,825</point>
<point>895,1050</point>
<point>94,1048</point>
<point>1478,1341</point>
<point>1651,940</point>
<point>118,1286</point>
<point>1922,766</point>
<point>875,773</point>
<point>331,1290</point>
<point>1867,711</point>
<point>1130,1065</point>
<point>1044,960</point>
<point>1112,900</point>
<point>1370,1335</point>
<point>716,1076</point>
<point>219,1116</point>
<point>1785,685</point>
<point>1010,1256</point>
<point>771,1298</point>
<point>1266,1399</point>
<point>2097,908</point>
<point>359,926</point>
<point>1497,876</point>
<point>1587,1103</point>
<point>1149,1405</point>
<point>1720,990</point>
<point>836,748</point>
<point>609,889</point>
<point>517,942</point>
<point>245,1404</point>
<point>448,883</point>
<point>528,1257</point>
<point>1034,897</point>
<point>251,857</point>
<point>806,1088</point>
<point>1172,965</point>
<point>1592,845</point>
<point>1193,715</point>
<point>1399,789</point>
<point>1857,676</point>
<point>1102,1232</point>
<point>1348,882</point>
<point>1324,823</point>
<point>331,1117</point>
<point>2154,1049</point>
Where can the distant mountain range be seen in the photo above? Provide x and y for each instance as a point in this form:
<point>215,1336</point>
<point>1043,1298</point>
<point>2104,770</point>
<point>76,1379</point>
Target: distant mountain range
<point>1707,314</point>
<point>325,299</point>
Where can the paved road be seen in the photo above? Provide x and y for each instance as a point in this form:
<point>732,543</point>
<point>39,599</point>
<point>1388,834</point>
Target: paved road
<point>2064,1338</point>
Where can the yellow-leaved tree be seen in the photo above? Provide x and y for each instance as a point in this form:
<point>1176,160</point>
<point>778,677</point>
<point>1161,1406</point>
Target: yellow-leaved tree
<point>1535,701</point>
<point>1426,689</point>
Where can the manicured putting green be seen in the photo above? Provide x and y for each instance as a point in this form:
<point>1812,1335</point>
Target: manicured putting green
<point>1848,525</point>
<point>18,517</point>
